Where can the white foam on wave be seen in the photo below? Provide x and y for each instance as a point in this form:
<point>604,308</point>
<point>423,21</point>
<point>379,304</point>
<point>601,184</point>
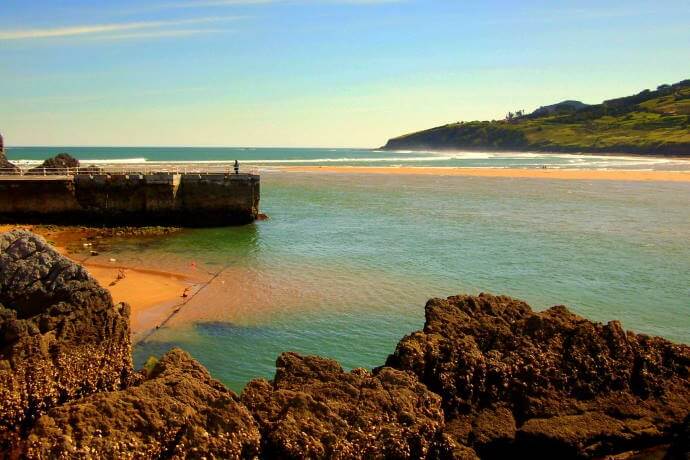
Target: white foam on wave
<point>298,160</point>
<point>490,159</point>
<point>454,155</point>
<point>115,161</point>
<point>585,157</point>
<point>27,163</point>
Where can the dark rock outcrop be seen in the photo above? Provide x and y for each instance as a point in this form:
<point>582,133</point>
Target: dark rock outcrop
<point>178,412</point>
<point>547,384</point>
<point>61,160</point>
<point>61,336</point>
<point>313,409</point>
<point>680,449</point>
<point>53,165</point>
<point>5,166</point>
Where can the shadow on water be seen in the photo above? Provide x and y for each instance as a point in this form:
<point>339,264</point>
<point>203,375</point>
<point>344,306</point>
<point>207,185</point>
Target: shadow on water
<point>236,354</point>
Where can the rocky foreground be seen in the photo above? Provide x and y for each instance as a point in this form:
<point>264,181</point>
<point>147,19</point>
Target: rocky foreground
<point>486,378</point>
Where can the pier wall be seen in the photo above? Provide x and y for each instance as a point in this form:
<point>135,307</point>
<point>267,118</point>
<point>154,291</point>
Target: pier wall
<point>191,200</point>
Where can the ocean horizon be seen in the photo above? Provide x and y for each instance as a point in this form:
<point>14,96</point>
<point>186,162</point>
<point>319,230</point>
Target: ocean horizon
<point>267,157</point>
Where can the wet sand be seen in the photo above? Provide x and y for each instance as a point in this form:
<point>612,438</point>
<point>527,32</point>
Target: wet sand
<point>152,295</point>
<point>562,174</point>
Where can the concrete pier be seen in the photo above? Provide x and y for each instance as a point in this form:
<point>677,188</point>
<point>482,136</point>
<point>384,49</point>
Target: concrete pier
<point>199,199</point>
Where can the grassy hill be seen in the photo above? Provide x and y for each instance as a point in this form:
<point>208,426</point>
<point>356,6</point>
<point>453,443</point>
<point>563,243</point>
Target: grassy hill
<point>651,122</point>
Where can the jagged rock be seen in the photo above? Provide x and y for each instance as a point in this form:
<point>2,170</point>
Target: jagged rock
<point>61,336</point>
<point>545,384</point>
<point>179,412</point>
<point>61,160</point>
<point>313,409</point>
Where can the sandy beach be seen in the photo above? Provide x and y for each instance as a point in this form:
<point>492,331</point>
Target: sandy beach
<point>561,174</point>
<point>152,295</point>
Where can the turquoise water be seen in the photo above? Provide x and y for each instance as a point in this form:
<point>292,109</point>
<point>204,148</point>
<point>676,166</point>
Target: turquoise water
<point>346,262</point>
<point>346,157</point>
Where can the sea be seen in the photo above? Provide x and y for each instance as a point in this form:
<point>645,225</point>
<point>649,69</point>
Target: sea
<point>346,262</point>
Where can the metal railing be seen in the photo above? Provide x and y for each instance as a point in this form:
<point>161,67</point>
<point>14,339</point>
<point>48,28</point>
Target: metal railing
<point>127,170</point>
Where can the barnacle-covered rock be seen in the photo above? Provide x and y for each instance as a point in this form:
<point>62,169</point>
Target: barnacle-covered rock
<point>314,409</point>
<point>546,384</point>
<point>178,412</point>
<point>61,335</point>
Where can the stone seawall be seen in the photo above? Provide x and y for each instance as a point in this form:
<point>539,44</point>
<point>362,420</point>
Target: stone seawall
<point>191,200</point>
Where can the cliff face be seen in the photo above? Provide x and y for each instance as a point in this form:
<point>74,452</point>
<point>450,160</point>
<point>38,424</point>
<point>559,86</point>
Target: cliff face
<point>61,336</point>
<point>485,378</point>
<point>549,384</point>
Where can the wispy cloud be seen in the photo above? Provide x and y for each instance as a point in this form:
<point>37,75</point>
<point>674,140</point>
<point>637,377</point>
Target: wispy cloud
<point>220,3</point>
<point>144,28</point>
<point>159,34</point>
<point>203,3</point>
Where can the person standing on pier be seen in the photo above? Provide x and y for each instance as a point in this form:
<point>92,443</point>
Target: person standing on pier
<point>237,167</point>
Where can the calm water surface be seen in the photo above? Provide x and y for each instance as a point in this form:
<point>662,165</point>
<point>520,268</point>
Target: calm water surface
<point>346,263</point>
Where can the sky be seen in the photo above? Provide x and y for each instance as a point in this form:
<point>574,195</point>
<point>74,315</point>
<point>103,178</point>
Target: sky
<point>315,73</point>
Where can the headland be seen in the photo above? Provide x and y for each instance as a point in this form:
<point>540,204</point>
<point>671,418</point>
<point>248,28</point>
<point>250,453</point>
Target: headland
<point>652,122</point>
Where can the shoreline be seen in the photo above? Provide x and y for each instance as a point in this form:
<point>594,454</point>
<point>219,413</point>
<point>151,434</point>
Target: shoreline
<point>512,173</point>
<point>670,156</point>
<point>151,294</point>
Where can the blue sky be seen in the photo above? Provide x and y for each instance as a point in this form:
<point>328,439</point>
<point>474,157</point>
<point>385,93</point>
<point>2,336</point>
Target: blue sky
<point>315,72</point>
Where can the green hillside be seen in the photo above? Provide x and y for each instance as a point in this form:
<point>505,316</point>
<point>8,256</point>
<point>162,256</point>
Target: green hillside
<point>651,122</point>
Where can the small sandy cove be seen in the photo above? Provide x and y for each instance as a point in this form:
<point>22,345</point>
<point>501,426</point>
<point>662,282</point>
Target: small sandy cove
<point>563,174</point>
<point>151,294</point>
